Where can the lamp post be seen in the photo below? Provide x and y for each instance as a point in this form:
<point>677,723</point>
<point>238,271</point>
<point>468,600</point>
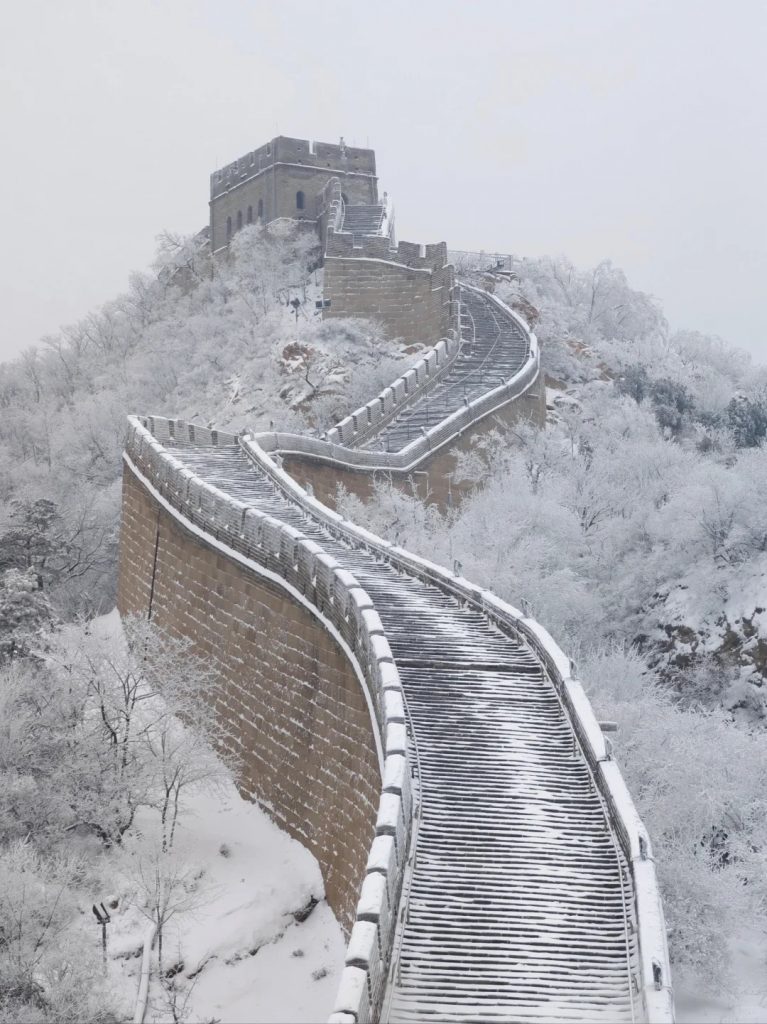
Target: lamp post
<point>102,917</point>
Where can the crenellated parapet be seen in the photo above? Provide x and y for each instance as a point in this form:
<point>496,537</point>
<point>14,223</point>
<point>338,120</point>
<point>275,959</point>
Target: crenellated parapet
<point>331,767</point>
<point>409,288</point>
<point>327,157</point>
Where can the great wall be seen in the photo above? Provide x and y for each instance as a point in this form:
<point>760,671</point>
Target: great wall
<point>429,743</point>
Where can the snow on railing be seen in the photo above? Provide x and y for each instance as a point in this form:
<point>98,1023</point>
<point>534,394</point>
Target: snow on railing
<point>388,221</point>
<point>338,447</point>
<point>409,457</point>
<point>329,204</point>
<point>418,378</point>
<point>655,976</point>
<point>262,541</point>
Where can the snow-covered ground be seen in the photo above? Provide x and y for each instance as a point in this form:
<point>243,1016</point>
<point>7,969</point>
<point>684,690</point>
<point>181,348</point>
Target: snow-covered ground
<point>240,953</point>
<point>255,961</point>
<point>747,1004</point>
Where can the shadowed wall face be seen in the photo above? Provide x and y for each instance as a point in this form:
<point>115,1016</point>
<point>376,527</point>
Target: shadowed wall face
<point>293,708</point>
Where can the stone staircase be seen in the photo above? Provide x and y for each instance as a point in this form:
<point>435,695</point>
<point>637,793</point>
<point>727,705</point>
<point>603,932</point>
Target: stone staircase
<point>363,220</point>
<point>494,348</point>
<point>519,905</point>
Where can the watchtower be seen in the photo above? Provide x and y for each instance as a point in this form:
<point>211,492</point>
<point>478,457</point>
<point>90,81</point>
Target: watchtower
<point>282,179</point>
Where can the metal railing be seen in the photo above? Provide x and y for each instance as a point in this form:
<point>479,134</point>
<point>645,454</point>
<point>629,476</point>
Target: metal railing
<point>477,262</point>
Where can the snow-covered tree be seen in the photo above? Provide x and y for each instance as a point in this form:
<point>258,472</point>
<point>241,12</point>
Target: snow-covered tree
<point>25,613</point>
<point>42,977</point>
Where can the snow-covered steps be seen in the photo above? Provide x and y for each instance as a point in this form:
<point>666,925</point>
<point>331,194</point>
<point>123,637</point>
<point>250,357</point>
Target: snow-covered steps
<point>363,220</point>
<point>520,904</point>
<point>495,347</point>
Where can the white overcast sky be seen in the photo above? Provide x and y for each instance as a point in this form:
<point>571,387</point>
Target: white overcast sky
<point>633,131</point>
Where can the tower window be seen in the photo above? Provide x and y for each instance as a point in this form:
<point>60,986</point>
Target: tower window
<point>239,219</point>
<point>228,228</point>
<point>250,215</point>
<point>260,209</point>
<point>299,200</point>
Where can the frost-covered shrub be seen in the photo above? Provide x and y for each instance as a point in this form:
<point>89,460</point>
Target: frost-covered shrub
<point>25,612</point>
<point>43,976</point>
<point>234,342</point>
<point>700,783</point>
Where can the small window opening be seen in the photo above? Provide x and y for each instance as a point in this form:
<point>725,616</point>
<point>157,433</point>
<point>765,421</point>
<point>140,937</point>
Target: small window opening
<point>299,200</point>
<point>250,215</point>
<point>228,228</point>
<point>239,219</point>
<point>260,209</point>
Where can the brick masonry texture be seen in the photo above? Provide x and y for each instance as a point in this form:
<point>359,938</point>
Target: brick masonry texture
<point>273,174</point>
<point>409,289</point>
<point>399,297</point>
<point>292,706</point>
<point>434,487</point>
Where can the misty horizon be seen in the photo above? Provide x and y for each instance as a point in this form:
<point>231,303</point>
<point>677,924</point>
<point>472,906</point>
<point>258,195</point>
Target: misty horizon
<point>591,131</point>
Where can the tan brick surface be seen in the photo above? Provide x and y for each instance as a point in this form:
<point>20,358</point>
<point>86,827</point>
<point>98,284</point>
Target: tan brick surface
<point>292,705</point>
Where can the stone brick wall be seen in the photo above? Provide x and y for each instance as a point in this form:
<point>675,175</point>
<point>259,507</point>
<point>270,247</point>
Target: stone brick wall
<point>292,704</point>
<point>410,288</point>
<point>433,482</point>
<point>276,172</point>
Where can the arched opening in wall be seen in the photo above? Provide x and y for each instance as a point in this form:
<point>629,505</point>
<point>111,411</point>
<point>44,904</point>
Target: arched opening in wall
<point>239,219</point>
<point>250,215</point>
<point>228,228</point>
<point>299,200</point>
<point>260,209</point>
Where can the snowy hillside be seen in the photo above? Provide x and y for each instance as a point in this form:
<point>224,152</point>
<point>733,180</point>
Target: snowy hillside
<point>230,343</point>
<point>635,526</point>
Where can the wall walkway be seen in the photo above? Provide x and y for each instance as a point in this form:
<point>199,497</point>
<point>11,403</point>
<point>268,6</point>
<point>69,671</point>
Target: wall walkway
<point>508,875</point>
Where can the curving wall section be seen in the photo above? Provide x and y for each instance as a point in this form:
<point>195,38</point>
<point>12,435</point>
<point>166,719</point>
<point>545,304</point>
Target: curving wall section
<point>303,613</point>
<point>296,715</point>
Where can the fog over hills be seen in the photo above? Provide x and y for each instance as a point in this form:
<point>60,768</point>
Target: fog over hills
<point>597,131</point>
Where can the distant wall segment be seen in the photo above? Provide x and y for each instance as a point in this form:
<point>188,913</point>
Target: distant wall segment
<point>289,698</point>
<point>264,185</point>
<point>437,482</point>
<point>409,288</point>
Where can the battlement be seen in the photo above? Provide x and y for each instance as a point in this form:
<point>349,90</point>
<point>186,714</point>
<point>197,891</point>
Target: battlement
<point>342,245</point>
<point>337,157</point>
<point>282,179</point>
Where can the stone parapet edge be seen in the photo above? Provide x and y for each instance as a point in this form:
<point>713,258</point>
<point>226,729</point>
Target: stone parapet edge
<point>335,597</point>
<point>408,458</point>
